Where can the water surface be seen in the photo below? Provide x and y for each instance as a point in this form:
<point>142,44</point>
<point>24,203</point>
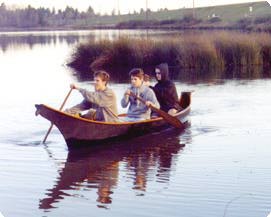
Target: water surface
<point>219,166</point>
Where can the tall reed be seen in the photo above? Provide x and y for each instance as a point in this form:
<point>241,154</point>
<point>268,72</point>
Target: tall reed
<point>208,51</point>
<point>86,53</point>
<point>238,49</point>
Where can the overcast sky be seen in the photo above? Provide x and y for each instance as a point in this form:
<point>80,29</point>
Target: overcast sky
<point>124,5</point>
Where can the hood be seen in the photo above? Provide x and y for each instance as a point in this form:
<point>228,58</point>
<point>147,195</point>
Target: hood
<point>164,71</point>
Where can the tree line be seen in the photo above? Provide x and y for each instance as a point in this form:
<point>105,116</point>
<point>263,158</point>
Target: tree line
<point>30,17</point>
<point>43,17</point>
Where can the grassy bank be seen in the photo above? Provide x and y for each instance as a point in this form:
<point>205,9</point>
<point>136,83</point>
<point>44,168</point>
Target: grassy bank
<point>206,51</point>
<point>252,24</point>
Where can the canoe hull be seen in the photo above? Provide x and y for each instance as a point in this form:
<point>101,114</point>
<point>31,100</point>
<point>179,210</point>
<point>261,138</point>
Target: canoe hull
<point>77,129</point>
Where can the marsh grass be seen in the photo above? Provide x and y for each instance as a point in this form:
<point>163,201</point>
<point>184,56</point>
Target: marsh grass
<point>239,49</point>
<point>86,53</point>
<point>209,51</point>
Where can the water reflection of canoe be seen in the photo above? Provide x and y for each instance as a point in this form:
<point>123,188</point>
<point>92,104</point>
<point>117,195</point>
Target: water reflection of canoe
<point>76,129</point>
<point>97,168</point>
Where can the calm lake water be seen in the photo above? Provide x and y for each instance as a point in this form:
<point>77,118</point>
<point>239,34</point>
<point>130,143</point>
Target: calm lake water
<point>219,166</point>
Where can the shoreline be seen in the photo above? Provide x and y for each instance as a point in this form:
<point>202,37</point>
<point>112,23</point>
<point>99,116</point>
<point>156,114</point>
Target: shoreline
<point>175,28</point>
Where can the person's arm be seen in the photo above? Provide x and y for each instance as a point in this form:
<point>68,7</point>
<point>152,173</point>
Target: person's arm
<point>173,92</point>
<point>158,92</point>
<point>125,99</point>
<point>173,101</point>
<point>84,105</point>
<point>151,99</point>
<point>89,96</point>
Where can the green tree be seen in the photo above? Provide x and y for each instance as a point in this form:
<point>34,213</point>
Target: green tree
<point>90,12</point>
<point>3,15</point>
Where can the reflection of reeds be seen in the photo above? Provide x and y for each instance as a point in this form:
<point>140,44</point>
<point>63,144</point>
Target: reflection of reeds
<point>209,50</point>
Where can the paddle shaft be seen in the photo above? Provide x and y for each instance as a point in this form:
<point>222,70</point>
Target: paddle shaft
<point>167,117</point>
<point>61,107</point>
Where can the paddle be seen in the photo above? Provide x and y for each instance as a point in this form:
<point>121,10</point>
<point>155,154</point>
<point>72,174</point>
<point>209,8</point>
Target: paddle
<point>175,122</point>
<point>61,107</point>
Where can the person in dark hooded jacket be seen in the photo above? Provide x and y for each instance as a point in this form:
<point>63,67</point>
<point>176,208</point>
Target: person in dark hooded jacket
<point>165,90</point>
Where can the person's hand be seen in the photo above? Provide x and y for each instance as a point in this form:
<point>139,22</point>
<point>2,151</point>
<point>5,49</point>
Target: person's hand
<point>149,103</point>
<point>127,92</point>
<point>73,86</point>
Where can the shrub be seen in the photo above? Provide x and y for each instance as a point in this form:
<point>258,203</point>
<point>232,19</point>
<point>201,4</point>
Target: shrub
<point>215,20</point>
<point>263,19</point>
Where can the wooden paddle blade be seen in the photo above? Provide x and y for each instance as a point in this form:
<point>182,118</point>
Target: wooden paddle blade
<point>170,119</point>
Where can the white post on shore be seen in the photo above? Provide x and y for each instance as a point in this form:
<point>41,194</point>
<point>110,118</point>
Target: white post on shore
<point>118,5</point>
<point>147,19</point>
<point>194,14</point>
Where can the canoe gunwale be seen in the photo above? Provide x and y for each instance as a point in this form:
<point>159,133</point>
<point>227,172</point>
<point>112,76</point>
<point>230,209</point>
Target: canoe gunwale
<point>110,123</point>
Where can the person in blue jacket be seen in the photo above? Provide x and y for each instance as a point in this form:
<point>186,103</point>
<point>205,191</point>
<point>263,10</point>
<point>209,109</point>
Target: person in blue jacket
<point>138,110</point>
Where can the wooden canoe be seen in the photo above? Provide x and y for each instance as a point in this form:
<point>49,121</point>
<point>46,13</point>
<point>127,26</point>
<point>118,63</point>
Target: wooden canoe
<point>76,130</point>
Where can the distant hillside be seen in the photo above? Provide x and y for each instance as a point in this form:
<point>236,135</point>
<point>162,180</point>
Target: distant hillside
<point>250,16</point>
<point>236,12</point>
<point>229,13</point>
